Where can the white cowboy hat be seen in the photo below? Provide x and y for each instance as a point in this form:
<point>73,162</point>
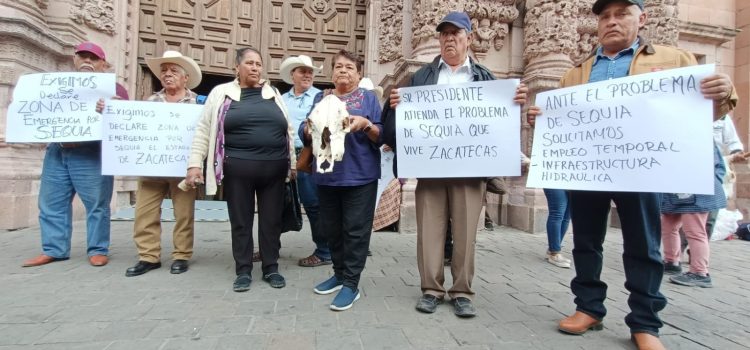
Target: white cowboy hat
<point>367,84</point>
<point>288,65</point>
<point>191,68</point>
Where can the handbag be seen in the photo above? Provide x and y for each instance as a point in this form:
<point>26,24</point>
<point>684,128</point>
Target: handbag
<point>304,160</point>
<point>292,214</point>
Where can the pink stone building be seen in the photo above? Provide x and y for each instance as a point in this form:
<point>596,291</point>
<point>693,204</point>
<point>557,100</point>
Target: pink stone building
<point>534,40</point>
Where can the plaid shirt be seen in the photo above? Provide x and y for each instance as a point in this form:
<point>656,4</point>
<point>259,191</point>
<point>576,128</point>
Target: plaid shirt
<point>161,96</point>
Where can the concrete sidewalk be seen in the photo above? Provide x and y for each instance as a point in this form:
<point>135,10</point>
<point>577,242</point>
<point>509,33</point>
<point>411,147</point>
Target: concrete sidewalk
<point>520,298</point>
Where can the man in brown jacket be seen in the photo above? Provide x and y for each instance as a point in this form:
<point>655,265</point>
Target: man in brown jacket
<point>622,53</point>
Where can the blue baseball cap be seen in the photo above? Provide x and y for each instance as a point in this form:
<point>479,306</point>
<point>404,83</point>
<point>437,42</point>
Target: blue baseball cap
<point>599,5</point>
<point>458,19</point>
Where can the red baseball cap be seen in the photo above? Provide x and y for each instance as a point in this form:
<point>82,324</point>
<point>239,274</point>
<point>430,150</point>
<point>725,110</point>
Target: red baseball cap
<point>95,49</point>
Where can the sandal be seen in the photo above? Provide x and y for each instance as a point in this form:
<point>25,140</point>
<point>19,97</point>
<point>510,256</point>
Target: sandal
<point>312,261</point>
<point>256,257</point>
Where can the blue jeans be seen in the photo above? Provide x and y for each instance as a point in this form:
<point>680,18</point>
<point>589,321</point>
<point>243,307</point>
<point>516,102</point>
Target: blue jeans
<point>308,195</point>
<point>558,217</point>
<point>65,172</point>
<point>641,234</point>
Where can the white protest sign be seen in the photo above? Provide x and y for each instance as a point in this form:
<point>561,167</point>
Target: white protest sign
<point>459,130</point>
<point>647,133</point>
<point>147,138</point>
<point>58,107</point>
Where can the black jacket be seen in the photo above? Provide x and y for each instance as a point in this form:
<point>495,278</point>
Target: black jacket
<point>427,75</point>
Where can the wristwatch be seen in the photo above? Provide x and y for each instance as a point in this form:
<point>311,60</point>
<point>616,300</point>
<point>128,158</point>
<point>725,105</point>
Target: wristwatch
<point>368,127</point>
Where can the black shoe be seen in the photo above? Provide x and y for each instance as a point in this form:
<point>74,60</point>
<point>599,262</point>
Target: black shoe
<point>672,269</point>
<point>464,307</point>
<point>179,266</point>
<point>242,283</point>
<point>428,303</point>
<point>275,279</point>
<point>488,226</point>
<point>141,267</point>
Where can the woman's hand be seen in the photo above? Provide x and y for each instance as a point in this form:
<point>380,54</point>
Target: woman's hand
<point>194,177</point>
<point>292,174</point>
<point>357,123</point>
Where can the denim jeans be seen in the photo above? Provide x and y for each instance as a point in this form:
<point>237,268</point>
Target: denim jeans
<point>346,214</point>
<point>641,234</point>
<point>65,172</point>
<point>308,195</point>
<point>558,217</point>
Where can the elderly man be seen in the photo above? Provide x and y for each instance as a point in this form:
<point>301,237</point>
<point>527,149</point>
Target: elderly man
<point>72,168</point>
<point>177,74</point>
<point>299,71</point>
<point>457,201</point>
<point>621,53</point>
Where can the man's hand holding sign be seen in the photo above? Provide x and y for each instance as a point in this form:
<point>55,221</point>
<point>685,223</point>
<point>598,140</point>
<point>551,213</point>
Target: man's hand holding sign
<point>621,134</point>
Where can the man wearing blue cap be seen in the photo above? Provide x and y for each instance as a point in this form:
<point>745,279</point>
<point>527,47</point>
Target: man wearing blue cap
<point>440,201</point>
<point>621,53</point>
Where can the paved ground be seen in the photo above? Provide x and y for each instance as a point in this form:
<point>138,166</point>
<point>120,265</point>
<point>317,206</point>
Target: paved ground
<point>71,305</point>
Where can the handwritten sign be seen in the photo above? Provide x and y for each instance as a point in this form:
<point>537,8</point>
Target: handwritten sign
<point>647,133</point>
<point>57,107</point>
<point>147,138</point>
<point>460,130</point>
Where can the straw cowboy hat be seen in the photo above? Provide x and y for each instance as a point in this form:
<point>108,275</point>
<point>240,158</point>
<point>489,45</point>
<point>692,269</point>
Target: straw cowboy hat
<point>191,68</point>
<point>293,62</point>
<point>367,84</point>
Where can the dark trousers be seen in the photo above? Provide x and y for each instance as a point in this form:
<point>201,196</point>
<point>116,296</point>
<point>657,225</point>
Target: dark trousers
<point>346,214</point>
<point>641,229</point>
<point>243,181</point>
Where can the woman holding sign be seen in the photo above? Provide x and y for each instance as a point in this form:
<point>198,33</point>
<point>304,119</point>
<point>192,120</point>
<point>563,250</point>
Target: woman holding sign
<point>245,137</point>
<point>347,193</point>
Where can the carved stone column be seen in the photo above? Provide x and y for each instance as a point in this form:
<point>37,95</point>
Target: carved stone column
<point>39,36</point>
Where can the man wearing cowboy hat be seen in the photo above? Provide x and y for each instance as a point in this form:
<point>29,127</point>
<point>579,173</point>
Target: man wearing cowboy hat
<point>299,71</point>
<point>72,168</point>
<point>177,74</point>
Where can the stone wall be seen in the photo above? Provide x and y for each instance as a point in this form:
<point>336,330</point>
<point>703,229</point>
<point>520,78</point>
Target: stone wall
<point>39,36</point>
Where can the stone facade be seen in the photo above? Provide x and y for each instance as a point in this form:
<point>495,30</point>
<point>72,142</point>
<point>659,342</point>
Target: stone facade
<point>534,40</point>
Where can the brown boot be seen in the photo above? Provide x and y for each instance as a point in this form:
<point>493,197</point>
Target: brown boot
<point>40,260</point>
<point>579,323</point>
<point>645,341</point>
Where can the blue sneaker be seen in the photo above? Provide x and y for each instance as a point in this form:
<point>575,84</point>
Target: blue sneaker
<point>328,286</point>
<point>345,299</point>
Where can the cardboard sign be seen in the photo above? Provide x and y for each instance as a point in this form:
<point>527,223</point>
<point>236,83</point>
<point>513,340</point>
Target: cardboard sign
<point>459,130</point>
<point>58,107</point>
<point>147,138</point>
<point>646,133</point>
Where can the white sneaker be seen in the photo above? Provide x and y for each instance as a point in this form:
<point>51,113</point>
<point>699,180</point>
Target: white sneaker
<point>561,256</point>
<point>558,260</point>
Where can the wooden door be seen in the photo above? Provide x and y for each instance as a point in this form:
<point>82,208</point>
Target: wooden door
<point>210,31</point>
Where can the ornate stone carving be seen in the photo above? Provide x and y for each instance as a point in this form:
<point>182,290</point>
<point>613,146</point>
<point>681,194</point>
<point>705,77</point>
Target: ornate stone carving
<point>99,15</point>
<point>662,25</point>
<point>490,20</point>
<point>320,8</point>
<point>42,4</point>
<point>390,30</point>
<point>586,28</point>
<point>551,28</point>
<point>427,14</point>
